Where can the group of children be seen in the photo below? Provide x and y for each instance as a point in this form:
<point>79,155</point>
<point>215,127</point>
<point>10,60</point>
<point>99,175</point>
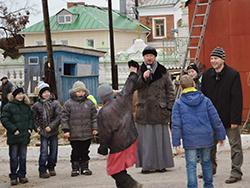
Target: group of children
<point>194,120</point>
<point>78,120</point>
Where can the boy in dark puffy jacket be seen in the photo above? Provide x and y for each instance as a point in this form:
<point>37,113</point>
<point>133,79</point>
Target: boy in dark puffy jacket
<point>46,113</point>
<point>196,121</point>
<point>79,125</point>
<point>17,119</point>
<point>117,131</point>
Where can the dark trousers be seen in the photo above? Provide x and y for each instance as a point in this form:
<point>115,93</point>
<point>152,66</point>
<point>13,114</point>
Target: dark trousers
<point>124,180</point>
<point>48,153</point>
<point>17,153</point>
<point>236,152</point>
<point>80,150</point>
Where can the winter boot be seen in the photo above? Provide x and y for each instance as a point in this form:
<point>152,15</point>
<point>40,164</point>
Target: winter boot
<point>75,169</point>
<point>52,172</point>
<point>23,180</point>
<point>85,168</point>
<point>13,182</point>
<point>44,175</point>
<point>138,185</point>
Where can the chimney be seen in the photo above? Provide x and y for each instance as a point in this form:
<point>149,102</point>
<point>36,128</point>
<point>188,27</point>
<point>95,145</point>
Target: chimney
<point>123,7</point>
<point>72,4</point>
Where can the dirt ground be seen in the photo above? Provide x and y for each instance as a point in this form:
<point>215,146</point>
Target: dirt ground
<point>174,178</point>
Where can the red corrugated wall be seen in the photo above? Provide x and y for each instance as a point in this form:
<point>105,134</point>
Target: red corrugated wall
<point>228,27</point>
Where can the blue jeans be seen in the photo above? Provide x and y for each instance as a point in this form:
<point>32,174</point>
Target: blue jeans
<point>191,161</point>
<point>17,155</point>
<point>48,153</point>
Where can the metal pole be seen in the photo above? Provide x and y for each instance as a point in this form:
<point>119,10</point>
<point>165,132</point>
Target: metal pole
<point>112,50</point>
<point>50,72</point>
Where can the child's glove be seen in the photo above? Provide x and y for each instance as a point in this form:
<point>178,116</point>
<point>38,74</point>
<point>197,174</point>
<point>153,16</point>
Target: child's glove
<point>178,150</point>
<point>66,135</point>
<point>47,129</point>
<point>38,129</point>
<point>102,150</point>
<point>94,132</point>
<point>16,132</point>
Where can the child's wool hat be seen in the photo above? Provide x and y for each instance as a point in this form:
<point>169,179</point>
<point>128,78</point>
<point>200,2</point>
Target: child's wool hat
<point>17,90</point>
<point>79,86</point>
<point>42,86</point>
<point>105,91</point>
<point>194,67</point>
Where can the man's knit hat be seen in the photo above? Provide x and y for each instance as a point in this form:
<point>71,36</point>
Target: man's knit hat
<point>42,86</point>
<point>218,52</point>
<point>193,66</point>
<point>105,92</point>
<point>149,50</point>
<point>17,90</point>
<point>79,86</point>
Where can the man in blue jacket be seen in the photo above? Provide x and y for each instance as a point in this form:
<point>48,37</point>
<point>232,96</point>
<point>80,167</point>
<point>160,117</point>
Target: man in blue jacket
<point>196,121</point>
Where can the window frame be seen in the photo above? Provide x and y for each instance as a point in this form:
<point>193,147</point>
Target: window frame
<point>65,42</point>
<point>64,19</point>
<point>154,27</point>
<point>33,57</point>
<point>87,42</point>
<point>39,43</point>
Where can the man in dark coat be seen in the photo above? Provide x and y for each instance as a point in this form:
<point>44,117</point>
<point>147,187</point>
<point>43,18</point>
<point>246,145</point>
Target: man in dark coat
<point>155,98</point>
<point>5,89</point>
<point>117,131</point>
<point>222,85</point>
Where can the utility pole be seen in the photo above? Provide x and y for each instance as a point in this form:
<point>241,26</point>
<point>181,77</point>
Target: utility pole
<point>49,70</point>
<point>112,50</point>
<point>136,11</point>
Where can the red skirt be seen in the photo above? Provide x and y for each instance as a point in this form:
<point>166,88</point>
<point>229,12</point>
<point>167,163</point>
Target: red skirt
<point>120,161</point>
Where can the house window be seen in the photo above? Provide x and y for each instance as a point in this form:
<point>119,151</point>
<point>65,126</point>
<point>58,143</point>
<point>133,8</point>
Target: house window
<point>90,43</point>
<point>69,69</point>
<point>159,27</point>
<point>33,60</point>
<point>60,19</point>
<point>64,19</point>
<point>64,42</point>
<point>39,43</point>
<point>68,18</point>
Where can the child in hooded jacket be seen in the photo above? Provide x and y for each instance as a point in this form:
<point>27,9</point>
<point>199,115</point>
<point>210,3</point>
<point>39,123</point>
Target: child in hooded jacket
<point>46,113</point>
<point>79,125</point>
<point>196,122</point>
<point>17,120</point>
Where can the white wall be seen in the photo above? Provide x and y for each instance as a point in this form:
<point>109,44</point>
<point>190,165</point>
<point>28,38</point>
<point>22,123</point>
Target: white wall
<point>122,39</point>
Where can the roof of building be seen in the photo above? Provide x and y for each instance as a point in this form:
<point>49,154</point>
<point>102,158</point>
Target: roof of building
<point>73,49</point>
<point>159,3</point>
<point>88,17</point>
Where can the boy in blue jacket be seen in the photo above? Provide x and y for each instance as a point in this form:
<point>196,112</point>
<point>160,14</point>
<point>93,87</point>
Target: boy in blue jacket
<point>196,121</point>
